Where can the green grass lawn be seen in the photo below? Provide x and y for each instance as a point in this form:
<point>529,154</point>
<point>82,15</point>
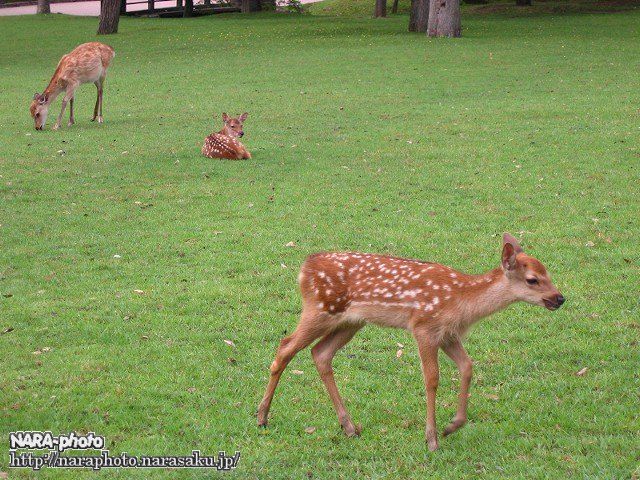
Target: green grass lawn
<point>364,137</point>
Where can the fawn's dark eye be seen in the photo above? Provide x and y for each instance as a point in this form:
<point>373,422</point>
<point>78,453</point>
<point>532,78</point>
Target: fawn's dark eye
<point>532,281</point>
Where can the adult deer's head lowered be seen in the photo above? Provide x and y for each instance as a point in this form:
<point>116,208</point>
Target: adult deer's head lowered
<point>39,110</point>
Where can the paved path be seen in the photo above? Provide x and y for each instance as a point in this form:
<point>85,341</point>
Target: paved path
<point>90,9</point>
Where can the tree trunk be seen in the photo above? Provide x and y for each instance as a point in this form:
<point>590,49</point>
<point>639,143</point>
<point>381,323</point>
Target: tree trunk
<point>394,7</point>
<point>43,6</point>
<point>109,17</point>
<point>523,3</point>
<point>188,9</point>
<point>419,16</point>
<point>381,8</point>
<point>444,18</point>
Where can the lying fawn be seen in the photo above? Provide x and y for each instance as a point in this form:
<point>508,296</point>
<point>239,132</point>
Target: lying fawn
<point>225,143</point>
<point>343,291</point>
<point>86,63</point>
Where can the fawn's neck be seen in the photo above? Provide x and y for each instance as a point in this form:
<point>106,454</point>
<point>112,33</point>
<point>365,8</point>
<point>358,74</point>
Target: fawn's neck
<point>483,295</point>
<point>226,131</point>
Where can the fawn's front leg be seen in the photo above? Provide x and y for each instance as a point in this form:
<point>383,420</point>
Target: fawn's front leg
<point>429,358</point>
<point>458,354</point>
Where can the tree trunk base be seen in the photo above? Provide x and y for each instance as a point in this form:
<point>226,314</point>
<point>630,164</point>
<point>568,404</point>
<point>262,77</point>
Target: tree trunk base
<point>444,18</point>
<point>419,16</point>
<point>109,17</point>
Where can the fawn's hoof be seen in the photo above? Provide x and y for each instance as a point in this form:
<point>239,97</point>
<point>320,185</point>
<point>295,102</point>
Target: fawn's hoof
<point>70,123</point>
<point>351,430</point>
<point>100,119</point>
<point>453,426</point>
<point>262,416</point>
<point>432,441</point>
<point>56,126</point>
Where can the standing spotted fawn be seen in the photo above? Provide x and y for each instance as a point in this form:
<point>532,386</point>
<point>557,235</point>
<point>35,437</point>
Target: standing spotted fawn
<point>86,63</point>
<point>437,304</point>
<point>225,143</point>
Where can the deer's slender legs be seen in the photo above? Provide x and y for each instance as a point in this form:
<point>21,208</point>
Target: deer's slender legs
<point>429,361</point>
<point>68,96</point>
<point>311,327</point>
<point>457,353</point>
<point>97,110</point>
<point>100,119</point>
<point>323,353</point>
<point>72,119</point>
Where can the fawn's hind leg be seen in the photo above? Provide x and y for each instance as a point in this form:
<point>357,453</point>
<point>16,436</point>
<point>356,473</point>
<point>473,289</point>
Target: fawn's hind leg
<point>311,327</point>
<point>323,353</point>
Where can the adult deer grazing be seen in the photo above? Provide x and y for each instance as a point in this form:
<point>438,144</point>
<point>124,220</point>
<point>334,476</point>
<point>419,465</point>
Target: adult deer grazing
<point>86,63</point>
<point>437,304</point>
<point>225,143</point>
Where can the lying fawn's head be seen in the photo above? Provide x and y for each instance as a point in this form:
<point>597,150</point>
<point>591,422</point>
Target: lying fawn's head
<point>233,126</point>
<point>528,279</point>
<point>39,109</point>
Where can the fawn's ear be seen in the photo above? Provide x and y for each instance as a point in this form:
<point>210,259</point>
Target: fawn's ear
<point>508,257</point>
<point>225,117</point>
<point>43,99</point>
<point>36,95</point>
<point>243,117</point>
<point>508,238</point>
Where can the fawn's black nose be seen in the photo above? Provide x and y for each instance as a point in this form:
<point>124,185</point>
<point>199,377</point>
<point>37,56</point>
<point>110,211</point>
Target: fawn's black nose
<point>242,134</point>
<point>560,300</point>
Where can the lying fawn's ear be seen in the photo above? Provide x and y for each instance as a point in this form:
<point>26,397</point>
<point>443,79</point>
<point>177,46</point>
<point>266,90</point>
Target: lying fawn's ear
<point>508,257</point>
<point>243,117</point>
<point>225,117</point>
<point>508,238</point>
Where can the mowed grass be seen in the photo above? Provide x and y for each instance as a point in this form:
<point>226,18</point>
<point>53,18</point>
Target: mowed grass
<point>364,137</point>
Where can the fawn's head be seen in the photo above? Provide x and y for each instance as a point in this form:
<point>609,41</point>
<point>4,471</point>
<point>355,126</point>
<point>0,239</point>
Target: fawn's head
<point>528,279</point>
<point>233,126</point>
<point>39,109</point>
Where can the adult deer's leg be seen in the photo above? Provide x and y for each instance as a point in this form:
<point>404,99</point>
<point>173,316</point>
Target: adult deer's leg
<point>429,361</point>
<point>72,119</point>
<point>100,89</point>
<point>311,326</point>
<point>457,353</point>
<point>323,353</point>
<point>95,109</point>
<point>68,96</point>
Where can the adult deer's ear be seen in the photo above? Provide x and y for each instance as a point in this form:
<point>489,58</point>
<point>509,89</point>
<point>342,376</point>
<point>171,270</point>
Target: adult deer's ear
<point>243,117</point>
<point>225,117</point>
<point>508,238</point>
<point>508,257</point>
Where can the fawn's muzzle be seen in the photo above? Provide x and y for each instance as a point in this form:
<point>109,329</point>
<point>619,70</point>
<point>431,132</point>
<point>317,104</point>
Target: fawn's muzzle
<point>555,302</point>
<point>241,134</point>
